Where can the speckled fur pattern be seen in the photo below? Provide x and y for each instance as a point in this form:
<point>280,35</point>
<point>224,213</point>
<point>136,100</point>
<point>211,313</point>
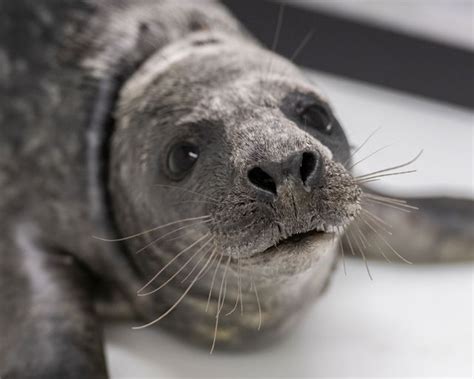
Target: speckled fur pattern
<point>92,95</point>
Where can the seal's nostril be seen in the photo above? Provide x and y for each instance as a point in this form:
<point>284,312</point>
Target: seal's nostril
<point>308,166</point>
<point>262,180</point>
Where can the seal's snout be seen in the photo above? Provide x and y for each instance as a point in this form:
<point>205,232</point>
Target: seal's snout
<point>303,168</point>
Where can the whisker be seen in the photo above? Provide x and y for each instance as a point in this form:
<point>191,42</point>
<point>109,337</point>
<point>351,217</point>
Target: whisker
<point>377,224</point>
<point>258,304</point>
<point>179,270</point>
<point>362,145</point>
<point>397,202</point>
<point>382,252</point>
<point>219,306</point>
<point>364,178</point>
<point>172,260</point>
<point>196,265</point>
<point>393,167</point>
<point>368,156</point>
<point>177,302</point>
<point>212,282</point>
<point>343,257</point>
<point>375,217</point>
<point>366,181</point>
<point>361,251</point>
<point>388,205</point>
<point>378,234</point>
<point>169,233</point>
<point>187,232</point>
<point>225,293</point>
<point>193,202</point>
<point>187,190</point>
<point>302,45</point>
<point>362,238</point>
<point>349,242</point>
<point>385,198</point>
<point>153,229</point>
<point>276,37</point>
<point>393,250</point>
<point>210,265</point>
<point>238,290</point>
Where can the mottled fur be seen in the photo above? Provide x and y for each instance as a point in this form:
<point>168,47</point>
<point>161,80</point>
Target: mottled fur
<point>92,96</point>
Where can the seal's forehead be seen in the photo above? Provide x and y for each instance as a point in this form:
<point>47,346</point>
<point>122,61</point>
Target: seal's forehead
<point>208,60</point>
<point>247,94</point>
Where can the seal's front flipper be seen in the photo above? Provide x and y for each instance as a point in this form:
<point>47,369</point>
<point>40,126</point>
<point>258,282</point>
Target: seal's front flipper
<point>47,321</point>
<point>440,230</point>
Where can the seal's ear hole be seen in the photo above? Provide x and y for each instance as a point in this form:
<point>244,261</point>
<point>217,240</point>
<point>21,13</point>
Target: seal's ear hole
<point>206,41</point>
<point>197,25</point>
<point>181,158</point>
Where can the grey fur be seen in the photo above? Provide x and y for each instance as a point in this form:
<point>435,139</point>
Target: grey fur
<point>92,97</point>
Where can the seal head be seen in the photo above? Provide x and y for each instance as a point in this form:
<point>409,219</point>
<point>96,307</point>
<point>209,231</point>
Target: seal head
<point>225,134</point>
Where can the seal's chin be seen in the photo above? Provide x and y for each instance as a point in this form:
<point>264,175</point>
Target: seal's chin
<point>293,254</point>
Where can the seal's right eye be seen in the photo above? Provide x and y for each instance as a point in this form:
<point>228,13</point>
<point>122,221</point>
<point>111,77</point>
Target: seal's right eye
<point>181,158</point>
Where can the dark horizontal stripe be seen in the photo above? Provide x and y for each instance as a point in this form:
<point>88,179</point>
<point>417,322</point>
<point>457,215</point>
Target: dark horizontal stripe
<point>364,52</point>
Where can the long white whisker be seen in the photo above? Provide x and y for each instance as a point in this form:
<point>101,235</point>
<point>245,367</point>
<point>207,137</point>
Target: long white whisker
<point>196,265</point>
<point>362,145</point>
<point>219,306</point>
<point>368,156</point>
<point>393,250</point>
<point>179,270</point>
<point>375,217</point>
<point>213,280</point>
<point>393,167</point>
<point>210,265</point>
<point>342,255</point>
<point>363,257</point>
<point>399,203</point>
<point>169,233</point>
<point>349,242</point>
<point>376,232</point>
<point>387,198</point>
<point>172,260</point>
<point>258,305</point>
<point>388,205</point>
<point>302,45</point>
<point>153,229</point>
<point>178,301</point>
<point>365,178</point>
<point>187,190</point>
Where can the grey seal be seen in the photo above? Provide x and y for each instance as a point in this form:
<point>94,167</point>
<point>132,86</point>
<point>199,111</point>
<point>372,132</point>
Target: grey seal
<point>154,148</point>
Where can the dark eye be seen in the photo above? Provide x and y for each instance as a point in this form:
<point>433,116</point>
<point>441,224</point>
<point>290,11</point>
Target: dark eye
<point>315,116</point>
<point>181,159</point>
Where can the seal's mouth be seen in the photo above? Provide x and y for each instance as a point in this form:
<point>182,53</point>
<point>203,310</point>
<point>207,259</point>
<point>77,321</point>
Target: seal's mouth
<point>298,237</point>
<point>294,242</point>
<point>291,255</point>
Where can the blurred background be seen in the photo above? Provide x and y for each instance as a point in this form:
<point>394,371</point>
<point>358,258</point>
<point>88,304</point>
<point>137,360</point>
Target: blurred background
<point>406,67</point>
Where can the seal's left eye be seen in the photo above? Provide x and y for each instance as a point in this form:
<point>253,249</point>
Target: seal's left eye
<point>315,116</point>
<point>181,159</point>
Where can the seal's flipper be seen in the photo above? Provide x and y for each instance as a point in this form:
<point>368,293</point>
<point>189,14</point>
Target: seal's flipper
<point>418,229</point>
<point>47,321</point>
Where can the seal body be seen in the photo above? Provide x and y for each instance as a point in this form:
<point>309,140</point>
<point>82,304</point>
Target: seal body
<point>153,148</point>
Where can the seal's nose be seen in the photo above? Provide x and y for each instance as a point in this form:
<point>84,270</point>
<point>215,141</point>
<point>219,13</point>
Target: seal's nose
<point>305,168</point>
